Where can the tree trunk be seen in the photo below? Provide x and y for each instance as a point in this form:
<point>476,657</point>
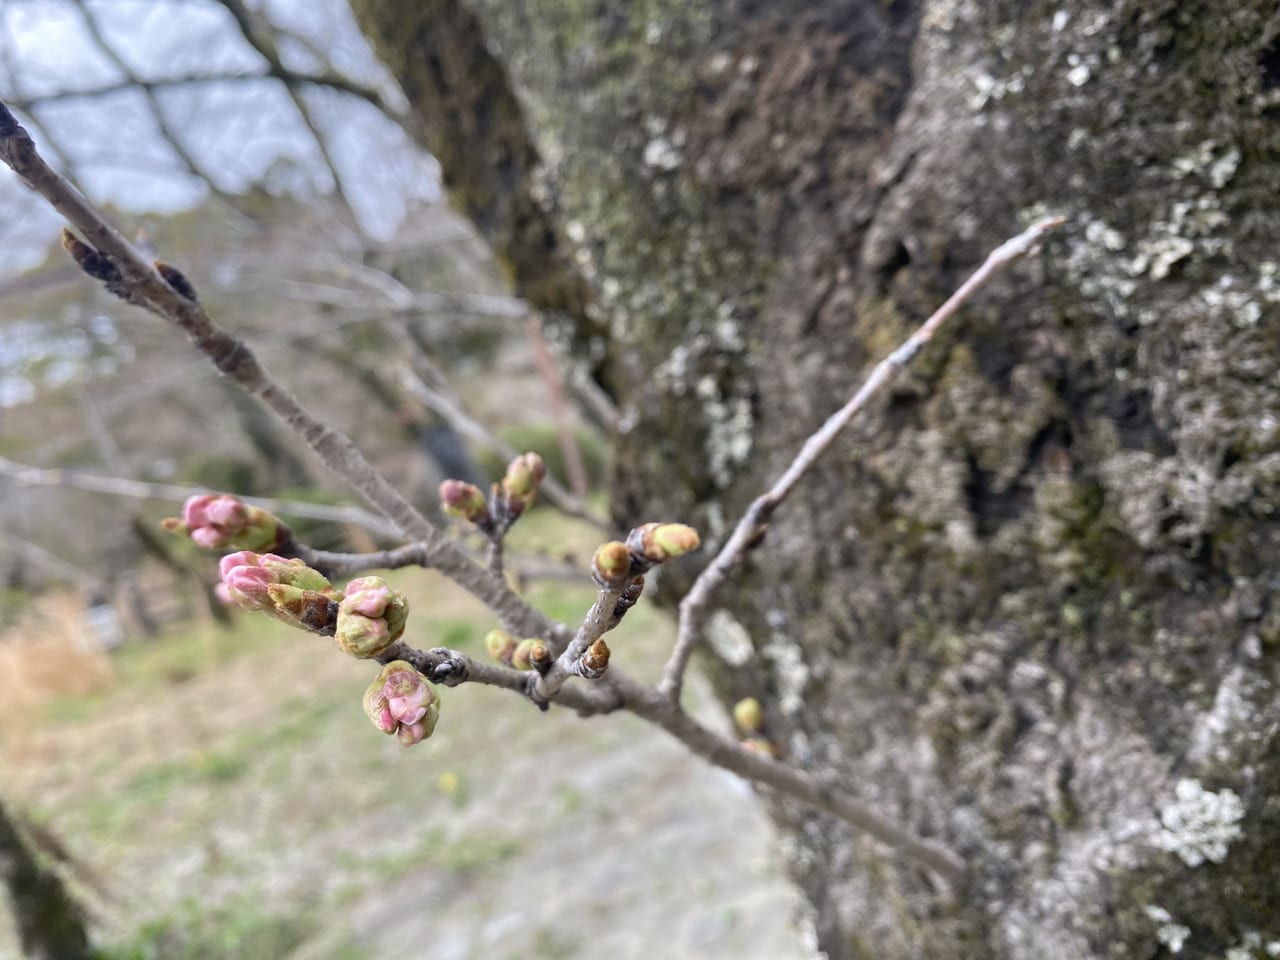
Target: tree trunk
<point>1035,590</point>
<point>50,924</point>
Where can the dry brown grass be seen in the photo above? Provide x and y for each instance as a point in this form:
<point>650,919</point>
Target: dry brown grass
<point>43,655</point>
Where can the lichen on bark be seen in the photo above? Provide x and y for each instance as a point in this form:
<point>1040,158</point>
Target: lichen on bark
<point>1035,588</point>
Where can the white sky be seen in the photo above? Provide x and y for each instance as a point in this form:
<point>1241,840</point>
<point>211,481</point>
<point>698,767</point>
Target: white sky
<point>242,130</point>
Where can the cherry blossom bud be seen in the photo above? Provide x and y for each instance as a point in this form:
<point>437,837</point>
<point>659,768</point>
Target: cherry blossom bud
<point>402,702</point>
<point>371,617</point>
<point>611,564</point>
<point>658,542</point>
<point>501,645</point>
<point>465,500</point>
<point>519,486</point>
<point>245,580</point>
<point>218,521</point>
<point>748,715</point>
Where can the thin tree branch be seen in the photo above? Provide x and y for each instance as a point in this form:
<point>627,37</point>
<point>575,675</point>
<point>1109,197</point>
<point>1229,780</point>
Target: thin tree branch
<point>259,36</point>
<point>694,608</point>
<point>167,130</point>
<point>111,259</point>
<point>451,409</point>
<point>140,490</point>
<point>724,752</point>
<point>600,619</point>
<point>569,450</point>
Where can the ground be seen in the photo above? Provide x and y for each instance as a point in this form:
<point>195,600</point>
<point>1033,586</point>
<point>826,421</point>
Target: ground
<point>235,802</point>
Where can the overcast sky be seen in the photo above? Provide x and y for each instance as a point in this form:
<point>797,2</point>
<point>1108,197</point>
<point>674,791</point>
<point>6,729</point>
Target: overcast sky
<point>242,130</point>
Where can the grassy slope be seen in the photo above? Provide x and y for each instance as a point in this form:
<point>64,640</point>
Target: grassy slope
<point>238,804</point>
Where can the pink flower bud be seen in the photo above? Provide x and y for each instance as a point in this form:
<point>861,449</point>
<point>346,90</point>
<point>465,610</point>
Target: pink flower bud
<point>228,513</point>
<point>241,558</point>
<point>194,511</point>
<point>371,617</point>
<point>464,500</point>
<point>219,521</point>
<point>401,701</point>
<point>247,583</point>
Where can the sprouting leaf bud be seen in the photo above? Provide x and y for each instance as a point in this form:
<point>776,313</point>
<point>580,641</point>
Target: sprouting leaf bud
<point>501,645</point>
<point>540,657</point>
<point>519,486</point>
<point>659,542</point>
<point>521,657</point>
<point>611,564</point>
<point>748,715</point>
<point>595,661</point>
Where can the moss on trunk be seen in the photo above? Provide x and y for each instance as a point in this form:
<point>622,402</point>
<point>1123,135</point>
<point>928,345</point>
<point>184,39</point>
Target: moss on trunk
<point>1035,589</point>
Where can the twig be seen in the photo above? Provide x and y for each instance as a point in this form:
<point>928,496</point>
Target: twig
<point>110,258</point>
<point>600,619</point>
<point>723,752</point>
<point>569,449</point>
<point>495,555</point>
<point>452,411</point>
<point>694,606</point>
<point>140,490</point>
<point>140,283</point>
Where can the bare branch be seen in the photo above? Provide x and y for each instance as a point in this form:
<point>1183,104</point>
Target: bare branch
<point>723,752</point>
<point>167,130</point>
<point>167,293</point>
<point>140,490</point>
<point>128,275</point>
<point>752,526</point>
<point>451,409</point>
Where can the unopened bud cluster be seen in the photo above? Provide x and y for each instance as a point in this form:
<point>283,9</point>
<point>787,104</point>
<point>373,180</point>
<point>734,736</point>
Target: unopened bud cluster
<point>401,701</point>
<point>221,521</point>
<point>288,590</point>
<point>365,619</point>
<point>508,499</point>
<point>371,617</point>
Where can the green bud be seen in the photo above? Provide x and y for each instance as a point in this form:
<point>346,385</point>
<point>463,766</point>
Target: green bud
<point>611,563</point>
<point>501,645</point>
<point>748,715</point>
<point>521,656</point>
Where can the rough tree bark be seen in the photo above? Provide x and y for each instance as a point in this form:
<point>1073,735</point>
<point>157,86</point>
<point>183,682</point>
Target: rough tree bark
<point>1036,590</point>
<point>51,926</point>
